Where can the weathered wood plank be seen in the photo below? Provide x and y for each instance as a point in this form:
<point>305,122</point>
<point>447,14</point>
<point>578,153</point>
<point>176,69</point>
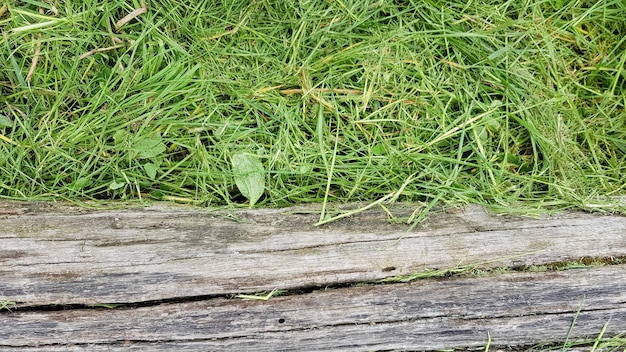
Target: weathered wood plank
<point>514,309</point>
<point>64,255</point>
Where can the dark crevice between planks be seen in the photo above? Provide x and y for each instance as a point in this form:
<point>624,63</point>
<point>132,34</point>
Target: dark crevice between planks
<point>470,270</point>
<point>119,306</point>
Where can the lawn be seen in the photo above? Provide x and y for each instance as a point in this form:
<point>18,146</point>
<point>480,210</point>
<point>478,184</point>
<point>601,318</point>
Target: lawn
<point>517,105</point>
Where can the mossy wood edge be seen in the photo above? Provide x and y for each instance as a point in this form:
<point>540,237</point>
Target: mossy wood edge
<point>177,268</point>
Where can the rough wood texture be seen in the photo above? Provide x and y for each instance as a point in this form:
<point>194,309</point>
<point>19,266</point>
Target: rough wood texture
<point>514,309</point>
<point>192,260</point>
<point>61,255</point>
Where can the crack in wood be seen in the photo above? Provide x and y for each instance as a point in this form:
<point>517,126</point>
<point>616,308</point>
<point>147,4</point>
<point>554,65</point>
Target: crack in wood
<point>467,271</point>
<point>171,275</point>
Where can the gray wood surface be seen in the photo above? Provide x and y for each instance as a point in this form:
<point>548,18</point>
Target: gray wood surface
<point>514,309</point>
<point>179,267</point>
<point>64,255</point>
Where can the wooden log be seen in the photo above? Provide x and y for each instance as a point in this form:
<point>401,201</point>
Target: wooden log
<point>177,267</point>
<point>67,255</point>
<point>515,309</point>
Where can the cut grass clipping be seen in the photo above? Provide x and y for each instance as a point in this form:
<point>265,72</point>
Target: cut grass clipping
<point>512,104</point>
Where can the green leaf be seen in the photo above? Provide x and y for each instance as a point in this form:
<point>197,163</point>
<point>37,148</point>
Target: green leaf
<point>149,147</point>
<point>249,176</point>
<point>5,121</point>
<point>120,137</point>
<point>80,183</point>
<point>379,149</point>
<point>304,169</point>
<point>116,185</point>
<point>151,169</point>
<point>157,195</point>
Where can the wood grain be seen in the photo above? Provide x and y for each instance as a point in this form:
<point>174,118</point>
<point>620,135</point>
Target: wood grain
<point>55,254</point>
<point>516,309</point>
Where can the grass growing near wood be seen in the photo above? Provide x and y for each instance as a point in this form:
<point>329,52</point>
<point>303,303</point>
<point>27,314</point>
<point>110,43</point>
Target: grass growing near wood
<point>511,104</point>
<point>6,305</point>
<point>599,343</point>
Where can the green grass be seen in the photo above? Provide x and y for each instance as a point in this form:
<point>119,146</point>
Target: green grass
<point>514,104</point>
<point>4,304</point>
